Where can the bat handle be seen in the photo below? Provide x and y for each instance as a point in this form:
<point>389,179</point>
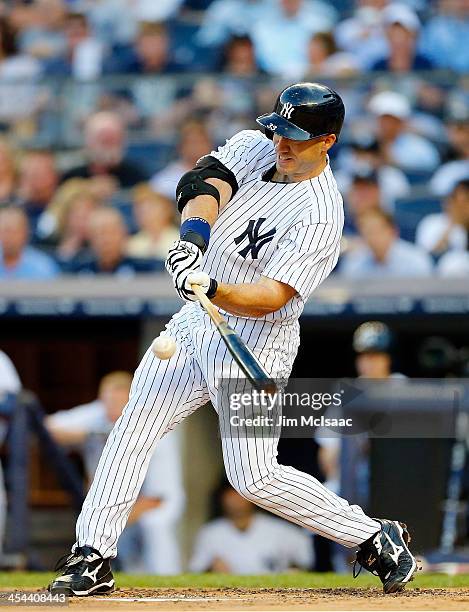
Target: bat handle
<point>210,308</point>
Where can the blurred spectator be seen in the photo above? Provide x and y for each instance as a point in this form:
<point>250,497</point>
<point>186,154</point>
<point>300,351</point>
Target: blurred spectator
<point>402,29</point>
<point>17,259</point>
<point>18,73</point>
<point>383,254</point>
<point>9,379</point>
<point>325,58</point>
<point>7,173</point>
<point>116,21</point>
<point>445,36</point>
<point>108,245</point>
<point>226,18</point>
<point>83,54</point>
<point>37,182</point>
<point>372,343</point>
<point>362,156</point>
<point>120,101</point>
<point>44,37</point>
<point>154,215</point>
<point>149,542</point>
<point>239,58</point>
<point>245,541</point>
<point>456,166</point>
<point>364,194</point>
<point>105,137</point>
<point>9,383</point>
<point>362,34</point>
<point>194,143</point>
<point>281,37</point>
<point>149,53</point>
<point>67,218</point>
<point>398,145</point>
<point>454,264</point>
<point>448,230</point>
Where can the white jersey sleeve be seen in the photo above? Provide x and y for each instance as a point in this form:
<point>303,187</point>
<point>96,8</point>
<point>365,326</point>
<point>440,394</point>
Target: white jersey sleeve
<point>306,255</point>
<point>244,152</point>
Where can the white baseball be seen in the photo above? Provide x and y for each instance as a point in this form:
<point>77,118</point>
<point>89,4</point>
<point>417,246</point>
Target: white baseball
<point>163,347</point>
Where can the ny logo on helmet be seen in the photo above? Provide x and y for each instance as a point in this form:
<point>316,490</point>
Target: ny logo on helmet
<point>287,110</point>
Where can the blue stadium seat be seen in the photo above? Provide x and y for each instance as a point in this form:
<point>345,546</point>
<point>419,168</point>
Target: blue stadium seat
<point>151,156</point>
<point>409,212</point>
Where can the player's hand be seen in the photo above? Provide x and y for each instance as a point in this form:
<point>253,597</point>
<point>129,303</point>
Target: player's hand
<point>183,257</point>
<point>208,285</point>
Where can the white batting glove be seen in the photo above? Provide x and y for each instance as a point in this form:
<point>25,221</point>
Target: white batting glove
<point>183,258</point>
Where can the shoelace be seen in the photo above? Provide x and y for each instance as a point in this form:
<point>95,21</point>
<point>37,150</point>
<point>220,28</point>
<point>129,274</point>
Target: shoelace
<point>68,560</point>
<point>355,574</point>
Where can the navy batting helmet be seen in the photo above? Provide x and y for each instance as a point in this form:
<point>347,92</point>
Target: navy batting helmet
<point>372,337</point>
<point>305,111</point>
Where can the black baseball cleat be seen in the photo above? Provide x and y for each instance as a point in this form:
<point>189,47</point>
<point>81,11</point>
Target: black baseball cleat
<point>84,572</point>
<point>386,554</point>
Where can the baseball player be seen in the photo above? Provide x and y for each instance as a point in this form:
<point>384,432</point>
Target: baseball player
<point>261,226</point>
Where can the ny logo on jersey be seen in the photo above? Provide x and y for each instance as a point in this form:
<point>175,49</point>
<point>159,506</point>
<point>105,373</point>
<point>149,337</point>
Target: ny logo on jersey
<point>256,240</point>
<point>287,110</point>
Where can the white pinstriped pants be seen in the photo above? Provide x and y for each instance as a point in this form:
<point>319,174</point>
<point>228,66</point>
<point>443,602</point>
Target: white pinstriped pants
<point>163,393</point>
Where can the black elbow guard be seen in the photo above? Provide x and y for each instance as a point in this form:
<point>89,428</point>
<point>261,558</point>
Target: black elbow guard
<point>192,183</point>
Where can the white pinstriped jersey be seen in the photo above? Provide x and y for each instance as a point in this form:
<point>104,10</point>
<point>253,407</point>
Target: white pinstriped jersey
<point>286,231</point>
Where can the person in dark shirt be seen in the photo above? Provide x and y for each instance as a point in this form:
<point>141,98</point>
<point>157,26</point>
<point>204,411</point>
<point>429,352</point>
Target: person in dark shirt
<point>402,29</point>
<point>149,54</point>
<point>108,240</point>
<point>83,54</point>
<point>37,182</point>
<point>105,137</point>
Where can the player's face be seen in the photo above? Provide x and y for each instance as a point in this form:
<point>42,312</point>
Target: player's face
<point>373,365</point>
<point>234,505</point>
<point>299,159</point>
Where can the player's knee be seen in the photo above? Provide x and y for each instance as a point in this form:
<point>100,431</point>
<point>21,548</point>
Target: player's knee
<point>248,489</point>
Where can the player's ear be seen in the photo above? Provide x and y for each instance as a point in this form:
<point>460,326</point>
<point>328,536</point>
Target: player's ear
<point>328,141</point>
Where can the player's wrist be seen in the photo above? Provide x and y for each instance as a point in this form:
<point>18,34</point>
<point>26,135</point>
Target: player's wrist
<point>213,288</point>
<point>197,231</point>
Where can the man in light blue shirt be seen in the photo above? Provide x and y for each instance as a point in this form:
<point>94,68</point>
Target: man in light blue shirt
<point>292,22</point>
<point>17,259</point>
<point>445,36</point>
<point>383,254</point>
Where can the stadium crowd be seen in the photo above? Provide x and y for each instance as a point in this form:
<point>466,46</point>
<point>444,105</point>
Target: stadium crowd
<point>105,104</point>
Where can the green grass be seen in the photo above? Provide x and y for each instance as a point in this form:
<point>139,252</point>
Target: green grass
<point>18,580</point>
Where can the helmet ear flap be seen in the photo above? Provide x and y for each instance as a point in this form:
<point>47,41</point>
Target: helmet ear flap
<point>269,134</point>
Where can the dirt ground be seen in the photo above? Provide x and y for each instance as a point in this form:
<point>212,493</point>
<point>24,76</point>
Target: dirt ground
<point>240,599</point>
<point>282,599</point>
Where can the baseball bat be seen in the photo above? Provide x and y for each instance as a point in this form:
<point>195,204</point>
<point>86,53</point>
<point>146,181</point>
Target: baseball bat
<point>242,354</point>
